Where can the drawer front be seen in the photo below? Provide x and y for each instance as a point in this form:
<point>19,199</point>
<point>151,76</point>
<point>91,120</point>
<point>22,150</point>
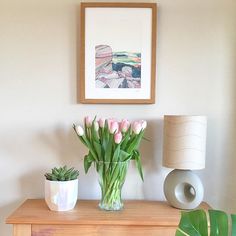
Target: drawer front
<point>101,230</point>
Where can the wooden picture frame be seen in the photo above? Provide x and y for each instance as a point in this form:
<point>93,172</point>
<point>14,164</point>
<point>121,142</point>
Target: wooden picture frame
<point>118,53</point>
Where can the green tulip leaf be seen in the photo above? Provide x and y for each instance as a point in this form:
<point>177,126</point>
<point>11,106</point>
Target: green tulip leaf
<point>106,130</point>
<point>98,148</point>
<point>135,142</point>
<point>103,149</point>
<point>116,154</point>
<point>108,151</point>
<point>126,138</point>
<point>88,160</point>
<point>124,156</point>
<point>137,158</point>
<point>94,134</point>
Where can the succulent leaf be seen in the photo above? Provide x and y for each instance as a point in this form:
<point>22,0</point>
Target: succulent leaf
<point>62,174</point>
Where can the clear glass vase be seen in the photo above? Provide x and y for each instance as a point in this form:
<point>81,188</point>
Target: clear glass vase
<point>111,179</point>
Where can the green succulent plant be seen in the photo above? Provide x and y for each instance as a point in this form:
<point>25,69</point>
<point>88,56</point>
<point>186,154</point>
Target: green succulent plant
<point>195,223</point>
<point>62,174</point>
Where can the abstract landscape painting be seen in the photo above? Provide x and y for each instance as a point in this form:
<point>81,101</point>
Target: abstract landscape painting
<point>117,69</point>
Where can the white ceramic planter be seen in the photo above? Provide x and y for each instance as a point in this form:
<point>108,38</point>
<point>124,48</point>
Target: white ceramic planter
<point>61,195</point>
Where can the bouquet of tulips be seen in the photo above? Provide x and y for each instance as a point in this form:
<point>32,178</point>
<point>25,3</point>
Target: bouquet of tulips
<point>111,144</point>
<point>111,141</point>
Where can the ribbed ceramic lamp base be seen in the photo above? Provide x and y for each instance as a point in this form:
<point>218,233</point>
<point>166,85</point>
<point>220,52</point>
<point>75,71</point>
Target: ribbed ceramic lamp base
<point>183,189</point>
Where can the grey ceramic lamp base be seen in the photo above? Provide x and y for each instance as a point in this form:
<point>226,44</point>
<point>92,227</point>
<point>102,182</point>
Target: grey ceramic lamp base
<point>183,189</point>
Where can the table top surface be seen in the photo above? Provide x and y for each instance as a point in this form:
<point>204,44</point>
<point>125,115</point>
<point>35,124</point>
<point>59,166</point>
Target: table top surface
<point>135,212</point>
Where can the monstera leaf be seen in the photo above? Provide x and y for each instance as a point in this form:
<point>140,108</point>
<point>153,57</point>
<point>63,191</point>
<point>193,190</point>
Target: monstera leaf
<point>233,217</point>
<point>194,223</point>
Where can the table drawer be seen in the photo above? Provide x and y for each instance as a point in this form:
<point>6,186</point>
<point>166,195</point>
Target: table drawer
<point>101,230</point>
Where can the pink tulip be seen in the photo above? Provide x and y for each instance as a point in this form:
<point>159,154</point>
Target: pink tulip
<point>96,125</point>
<point>79,130</point>
<point>118,137</point>
<point>114,127</point>
<point>88,121</point>
<point>124,125</point>
<point>143,124</point>
<point>101,122</point>
<point>109,121</point>
<point>136,127</point>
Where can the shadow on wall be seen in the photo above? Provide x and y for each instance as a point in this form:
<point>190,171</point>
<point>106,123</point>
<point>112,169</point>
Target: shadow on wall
<point>227,162</point>
<point>63,144</point>
<point>221,142</point>
<point>32,184</point>
<point>220,166</point>
<point>152,160</point>
<point>5,211</point>
<point>70,151</point>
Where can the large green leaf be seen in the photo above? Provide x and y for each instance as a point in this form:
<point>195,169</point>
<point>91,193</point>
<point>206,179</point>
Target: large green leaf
<point>219,223</point>
<point>193,223</point>
<point>233,218</point>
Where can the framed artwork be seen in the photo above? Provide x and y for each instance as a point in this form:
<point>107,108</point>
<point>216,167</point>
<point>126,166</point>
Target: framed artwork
<point>118,53</point>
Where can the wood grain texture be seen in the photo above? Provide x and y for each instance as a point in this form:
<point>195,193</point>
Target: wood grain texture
<point>81,84</point>
<point>119,4</point>
<point>152,218</point>
<point>86,212</point>
<point>100,230</point>
<point>22,230</point>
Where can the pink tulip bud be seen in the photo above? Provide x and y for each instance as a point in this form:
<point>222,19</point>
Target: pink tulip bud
<point>136,127</point>
<point>114,127</point>
<point>109,121</point>
<point>143,124</point>
<point>96,125</point>
<point>88,121</point>
<point>118,137</point>
<point>101,122</point>
<point>79,130</point>
<point>124,125</point>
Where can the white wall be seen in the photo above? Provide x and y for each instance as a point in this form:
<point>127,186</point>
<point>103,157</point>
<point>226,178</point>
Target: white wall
<point>38,55</point>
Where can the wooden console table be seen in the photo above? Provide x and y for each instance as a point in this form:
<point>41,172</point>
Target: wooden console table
<point>33,218</point>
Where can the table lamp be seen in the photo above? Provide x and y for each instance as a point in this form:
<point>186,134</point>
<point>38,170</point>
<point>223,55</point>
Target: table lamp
<point>184,150</point>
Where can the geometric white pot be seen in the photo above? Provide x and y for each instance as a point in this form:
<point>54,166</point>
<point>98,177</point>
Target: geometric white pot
<point>61,195</point>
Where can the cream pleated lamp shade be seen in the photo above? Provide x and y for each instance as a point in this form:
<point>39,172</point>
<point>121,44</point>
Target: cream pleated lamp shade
<point>184,142</point>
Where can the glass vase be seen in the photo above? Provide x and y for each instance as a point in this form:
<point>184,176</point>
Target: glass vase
<point>111,179</point>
